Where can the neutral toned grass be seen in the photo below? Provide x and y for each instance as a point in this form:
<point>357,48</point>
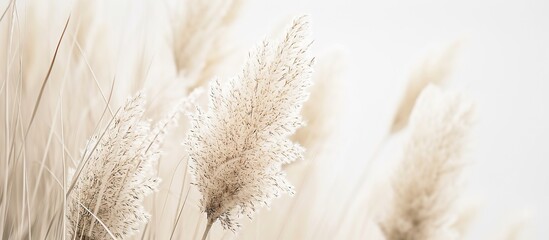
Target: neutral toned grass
<point>237,147</point>
<point>79,163</point>
<point>425,181</point>
<point>199,38</point>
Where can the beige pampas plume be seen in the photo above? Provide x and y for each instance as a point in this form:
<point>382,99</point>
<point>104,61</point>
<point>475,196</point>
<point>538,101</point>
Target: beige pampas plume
<point>199,38</point>
<point>432,71</point>
<point>237,147</point>
<point>424,183</point>
<point>117,171</point>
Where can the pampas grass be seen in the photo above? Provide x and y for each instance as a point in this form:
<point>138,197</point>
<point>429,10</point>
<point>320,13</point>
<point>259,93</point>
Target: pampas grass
<point>85,157</point>
<point>237,147</point>
<point>424,184</point>
<point>115,174</point>
<point>199,33</point>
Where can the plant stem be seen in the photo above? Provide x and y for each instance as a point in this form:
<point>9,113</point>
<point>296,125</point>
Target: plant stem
<point>207,230</point>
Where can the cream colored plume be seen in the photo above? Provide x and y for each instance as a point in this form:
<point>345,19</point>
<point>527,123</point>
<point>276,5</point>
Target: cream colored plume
<point>424,183</point>
<point>117,171</point>
<point>237,146</point>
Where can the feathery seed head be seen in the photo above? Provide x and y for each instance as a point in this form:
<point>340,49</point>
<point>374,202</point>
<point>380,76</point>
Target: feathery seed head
<point>424,184</point>
<point>237,146</point>
<point>116,173</point>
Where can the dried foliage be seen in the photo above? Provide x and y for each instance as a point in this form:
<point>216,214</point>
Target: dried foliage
<point>237,147</point>
<point>68,71</point>
<point>199,44</point>
<point>116,172</point>
<point>424,184</point>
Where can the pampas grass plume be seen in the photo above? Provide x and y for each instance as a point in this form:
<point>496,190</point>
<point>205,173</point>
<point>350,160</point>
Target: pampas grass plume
<point>116,173</point>
<point>424,184</point>
<point>237,147</point>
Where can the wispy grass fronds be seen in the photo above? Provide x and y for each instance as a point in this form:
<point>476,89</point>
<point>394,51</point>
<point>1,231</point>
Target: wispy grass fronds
<point>237,146</point>
<point>432,71</point>
<point>424,183</point>
<point>115,174</point>
<point>199,38</point>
